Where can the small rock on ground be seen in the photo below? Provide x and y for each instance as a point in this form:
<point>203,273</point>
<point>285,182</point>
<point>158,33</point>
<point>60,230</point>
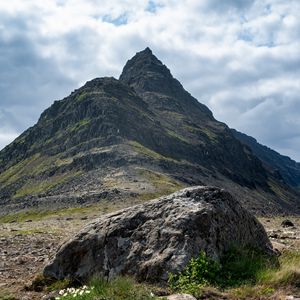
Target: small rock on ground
<point>181,297</point>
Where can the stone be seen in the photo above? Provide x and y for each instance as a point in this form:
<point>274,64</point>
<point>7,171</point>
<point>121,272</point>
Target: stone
<point>149,240</point>
<point>181,297</point>
<point>287,223</point>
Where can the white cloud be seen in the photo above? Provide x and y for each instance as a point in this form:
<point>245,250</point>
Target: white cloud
<point>241,58</point>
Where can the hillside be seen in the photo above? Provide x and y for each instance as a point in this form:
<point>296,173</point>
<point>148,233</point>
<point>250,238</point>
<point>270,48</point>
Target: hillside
<point>287,168</point>
<point>137,137</point>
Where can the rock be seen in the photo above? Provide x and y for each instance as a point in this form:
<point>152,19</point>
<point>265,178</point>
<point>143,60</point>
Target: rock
<point>181,297</point>
<point>287,223</point>
<point>149,240</point>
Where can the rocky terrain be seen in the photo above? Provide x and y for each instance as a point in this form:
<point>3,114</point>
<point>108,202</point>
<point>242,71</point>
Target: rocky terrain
<point>27,245</point>
<point>140,136</point>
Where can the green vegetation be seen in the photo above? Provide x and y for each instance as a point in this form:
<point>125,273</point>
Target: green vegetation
<point>242,272</point>
<point>177,136</point>
<point>148,152</point>
<point>20,169</point>
<point>104,206</point>
<point>285,277</point>
<point>162,183</point>
<point>121,288</point>
<point>83,95</point>
<point>39,186</point>
<point>33,166</point>
<point>4,295</point>
<point>200,271</point>
<point>76,126</point>
<point>239,266</point>
<point>36,215</point>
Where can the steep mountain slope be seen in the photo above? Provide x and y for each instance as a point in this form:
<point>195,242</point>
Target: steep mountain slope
<point>288,169</point>
<point>140,136</point>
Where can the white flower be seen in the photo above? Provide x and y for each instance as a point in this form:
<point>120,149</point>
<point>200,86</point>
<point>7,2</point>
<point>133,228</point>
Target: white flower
<point>87,291</point>
<point>84,287</point>
<point>151,294</point>
<point>61,292</point>
<point>81,293</point>
<point>65,294</point>
<point>57,298</point>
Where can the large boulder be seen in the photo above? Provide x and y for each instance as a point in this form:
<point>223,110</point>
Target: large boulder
<point>149,240</point>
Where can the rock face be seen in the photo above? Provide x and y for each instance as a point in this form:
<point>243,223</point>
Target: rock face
<point>149,240</point>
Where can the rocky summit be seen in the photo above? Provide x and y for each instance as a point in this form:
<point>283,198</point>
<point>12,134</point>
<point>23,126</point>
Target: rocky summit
<point>149,240</point>
<point>137,137</point>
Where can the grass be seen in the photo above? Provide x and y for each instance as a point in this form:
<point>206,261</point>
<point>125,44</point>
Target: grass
<point>242,273</point>
<point>5,295</point>
<point>36,215</point>
<point>148,152</point>
<point>177,136</point>
<point>103,207</point>
<point>33,166</point>
<point>163,184</point>
<point>287,275</point>
<point>119,288</point>
<point>39,186</point>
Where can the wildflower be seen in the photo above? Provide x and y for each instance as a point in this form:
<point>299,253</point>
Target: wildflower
<point>61,292</point>
<point>84,287</point>
<point>87,292</point>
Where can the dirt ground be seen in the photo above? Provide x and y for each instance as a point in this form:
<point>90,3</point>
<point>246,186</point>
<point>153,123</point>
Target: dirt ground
<point>25,248</point>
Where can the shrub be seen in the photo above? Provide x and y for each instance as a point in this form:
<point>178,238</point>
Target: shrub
<point>199,271</point>
<point>239,265</point>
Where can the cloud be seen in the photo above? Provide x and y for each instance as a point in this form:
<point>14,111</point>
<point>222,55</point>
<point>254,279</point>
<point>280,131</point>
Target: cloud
<point>238,57</point>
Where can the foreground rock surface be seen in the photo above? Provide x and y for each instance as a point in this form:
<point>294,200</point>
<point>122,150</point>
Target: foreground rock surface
<point>149,240</point>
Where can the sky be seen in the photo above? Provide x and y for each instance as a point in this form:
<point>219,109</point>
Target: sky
<point>239,57</point>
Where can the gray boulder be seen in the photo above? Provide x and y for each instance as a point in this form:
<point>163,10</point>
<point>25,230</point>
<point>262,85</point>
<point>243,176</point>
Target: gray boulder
<point>149,240</point>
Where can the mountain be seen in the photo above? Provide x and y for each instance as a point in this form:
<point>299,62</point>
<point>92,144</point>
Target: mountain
<point>287,168</point>
<point>140,136</point>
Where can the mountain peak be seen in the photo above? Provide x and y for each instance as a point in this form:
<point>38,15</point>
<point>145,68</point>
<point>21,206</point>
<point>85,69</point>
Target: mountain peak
<point>145,72</point>
<point>147,50</point>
